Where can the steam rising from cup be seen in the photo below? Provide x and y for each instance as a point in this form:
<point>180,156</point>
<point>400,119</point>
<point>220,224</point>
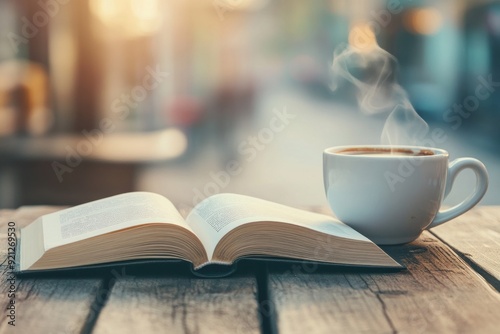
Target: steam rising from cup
<point>371,71</point>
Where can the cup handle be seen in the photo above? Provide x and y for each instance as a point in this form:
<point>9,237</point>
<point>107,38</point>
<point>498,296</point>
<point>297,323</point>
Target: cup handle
<point>456,167</point>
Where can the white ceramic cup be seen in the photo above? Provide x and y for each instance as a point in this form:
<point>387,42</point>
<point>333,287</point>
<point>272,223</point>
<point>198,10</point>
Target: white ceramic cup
<point>392,198</point>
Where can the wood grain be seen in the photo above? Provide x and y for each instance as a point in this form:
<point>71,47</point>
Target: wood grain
<point>177,304</point>
<point>439,293</point>
<point>476,236</point>
<point>48,305</point>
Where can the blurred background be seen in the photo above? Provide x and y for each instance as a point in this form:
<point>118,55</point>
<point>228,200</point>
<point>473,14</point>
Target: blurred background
<point>192,98</point>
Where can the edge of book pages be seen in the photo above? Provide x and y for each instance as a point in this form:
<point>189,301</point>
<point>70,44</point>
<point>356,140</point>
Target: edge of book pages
<point>212,270</point>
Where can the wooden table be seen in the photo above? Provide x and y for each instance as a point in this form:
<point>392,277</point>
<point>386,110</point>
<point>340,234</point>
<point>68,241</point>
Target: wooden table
<point>451,286</point>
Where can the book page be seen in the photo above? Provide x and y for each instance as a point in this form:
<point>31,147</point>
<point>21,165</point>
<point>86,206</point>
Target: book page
<point>215,216</point>
<point>108,215</point>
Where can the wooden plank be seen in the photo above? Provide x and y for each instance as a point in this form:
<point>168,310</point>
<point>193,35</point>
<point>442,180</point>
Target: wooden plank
<point>439,293</point>
<point>44,305</point>
<point>476,236</point>
<point>181,304</point>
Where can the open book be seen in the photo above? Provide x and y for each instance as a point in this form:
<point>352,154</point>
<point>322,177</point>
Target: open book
<point>220,229</point>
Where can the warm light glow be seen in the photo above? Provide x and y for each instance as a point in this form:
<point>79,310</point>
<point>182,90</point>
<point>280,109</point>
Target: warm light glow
<point>248,5</point>
<point>424,21</point>
<point>145,9</point>
<point>147,14</point>
<point>128,18</point>
<point>106,10</point>
<point>362,37</point>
